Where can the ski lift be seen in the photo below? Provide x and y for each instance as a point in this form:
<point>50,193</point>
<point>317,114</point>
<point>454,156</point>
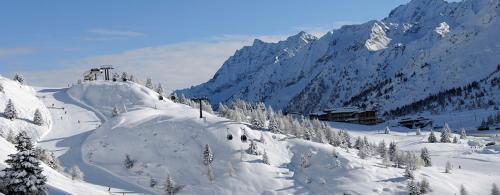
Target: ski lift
<point>243,136</point>
<point>229,136</point>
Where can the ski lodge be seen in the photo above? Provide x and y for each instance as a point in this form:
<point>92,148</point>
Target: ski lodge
<point>347,115</point>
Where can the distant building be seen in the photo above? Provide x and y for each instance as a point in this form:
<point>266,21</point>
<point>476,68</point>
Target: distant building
<point>92,74</point>
<point>412,123</point>
<point>348,115</point>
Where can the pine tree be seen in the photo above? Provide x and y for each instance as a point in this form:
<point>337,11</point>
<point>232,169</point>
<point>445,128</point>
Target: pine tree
<point>494,190</point>
<point>160,91</point>
<point>132,78</point>
<point>10,110</point>
<point>273,126</point>
<point>463,191</point>
<point>124,76</point>
<point>38,119</point>
<point>455,139</point>
<point>76,173</point>
<point>19,78</point>
<point>252,149</point>
<point>425,156</point>
<point>152,182</point>
<point>23,174</point>
<point>387,130</point>
<point>363,152</point>
<point>446,134</point>
<point>115,112</point>
<point>385,161</point>
<point>358,143</point>
<point>11,137</point>
<point>418,132</point>
<point>265,158</point>
<point>432,138</point>
<point>305,159</point>
<point>128,162</point>
<point>409,173</point>
<point>448,167</point>
<point>463,135</point>
<point>169,186</point>
<point>413,187</point>
<point>208,157</point>
<point>149,83</point>
<point>381,149</point>
<point>116,77</point>
<point>424,186</point>
<point>262,139</point>
<point>392,151</point>
<point>1,88</point>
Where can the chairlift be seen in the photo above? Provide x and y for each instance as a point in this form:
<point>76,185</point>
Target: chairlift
<point>244,136</point>
<point>229,136</point>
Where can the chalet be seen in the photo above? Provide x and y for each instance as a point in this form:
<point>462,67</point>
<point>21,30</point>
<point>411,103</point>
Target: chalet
<point>92,74</point>
<point>347,115</point>
<point>419,122</point>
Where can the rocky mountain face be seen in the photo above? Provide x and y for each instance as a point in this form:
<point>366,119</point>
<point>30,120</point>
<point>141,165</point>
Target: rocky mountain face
<point>422,48</point>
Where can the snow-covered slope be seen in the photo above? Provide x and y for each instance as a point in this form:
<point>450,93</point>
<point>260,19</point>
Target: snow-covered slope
<point>421,48</point>
<point>166,138</point>
<point>25,102</point>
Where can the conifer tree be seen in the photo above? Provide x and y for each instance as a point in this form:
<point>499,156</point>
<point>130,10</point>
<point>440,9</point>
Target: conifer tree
<point>10,110</point>
<point>149,83</point>
<point>115,112</point>
<point>387,130</point>
<point>76,173</point>
<point>409,173</point>
<point>160,91</point>
<point>23,174</point>
<point>432,137</point>
<point>169,185</point>
<point>392,151</point>
<point>1,88</point>
<point>463,191</point>
<point>446,134</point>
<point>11,137</point>
<point>426,158</point>
<point>413,187</point>
<point>418,132</point>
<point>447,167</point>
<point>262,138</point>
<point>19,78</point>
<point>208,157</point>
<point>494,190</point>
<point>455,139</point>
<point>128,162</point>
<point>252,149</point>
<point>124,76</point>
<point>265,158</point>
<point>381,149</point>
<point>152,182</point>
<point>425,186</point>
<point>38,119</point>
<point>463,135</point>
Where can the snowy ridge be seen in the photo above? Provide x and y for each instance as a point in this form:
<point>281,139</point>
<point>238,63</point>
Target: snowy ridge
<point>421,48</point>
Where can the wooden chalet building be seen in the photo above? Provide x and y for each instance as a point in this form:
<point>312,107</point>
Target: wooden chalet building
<point>412,123</point>
<point>347,115</point>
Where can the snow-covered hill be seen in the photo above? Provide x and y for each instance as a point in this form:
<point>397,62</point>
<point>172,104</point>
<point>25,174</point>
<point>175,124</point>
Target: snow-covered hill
<point>166,138</point>
<point>25,102</point>
<point>421,48</point>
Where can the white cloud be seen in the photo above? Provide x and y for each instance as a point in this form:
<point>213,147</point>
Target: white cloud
<point>7,52</point>
<point>109,32</point>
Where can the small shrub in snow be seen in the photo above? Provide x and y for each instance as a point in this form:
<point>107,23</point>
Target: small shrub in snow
<point>116,77</point>
<point>128,162</point>
<point>455,139</point>
<point>23,174</point>
<point>124,77</point>
<point>208,157</point>
<point>48,158</point>
<point>413,187</point>
<point>11,137</point>
<point>425,156</point>
<point>409,173</point>
<point>115,111</point>
<point>265,158</point>
<point>10,110</point>
<point>37,118</point>
<point>262,139</point>
<point>447,167</point>
<point>424,186</point>
<point>76,173</point>
<point>305,159</point>
<point>463,135</point>
<point>152,182</point>
<point>432,137</point>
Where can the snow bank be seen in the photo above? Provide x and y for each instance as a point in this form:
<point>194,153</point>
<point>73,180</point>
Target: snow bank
<point>25,102</point>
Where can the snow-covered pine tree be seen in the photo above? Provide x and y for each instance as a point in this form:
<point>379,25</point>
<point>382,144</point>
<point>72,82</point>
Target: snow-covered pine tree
<point>252,149</point>
<point>115,112</point>
<point>424,186</point>
<point>149,83</point>
<point>11,137</point>
<point>387,130</point>
<point>265,158</point>
<point>128,162</point>
<point>169,186</point>
<point>124,76</point>
<point>418,132</point>
<point>358,143</point>
<point>305,159</point>
<point>132,78</point>
<point>152,181</point>
<point>425,156</point>
<point>10,110</point>
<point>37,118</point>
<point>463,191</point>
<point>363,152</point>
<point>76,173</point>
<point>447,167</point>
<point>208,157</point>
<point>413,187</point>
<point>393,150</point>
<point>159,90</point>
<point>385,161</point>
<point>262,138</point>
<point>455,139</point>
<point>432,137</point>
<point>23,174</point>
<point>1,88</point>
<point>463,135</point>
<point>273,126</point>
<point>494,190</point>
<point>446,134</point>
<point>19,78</point>
<point>381,149</point>
<point>116,77</point>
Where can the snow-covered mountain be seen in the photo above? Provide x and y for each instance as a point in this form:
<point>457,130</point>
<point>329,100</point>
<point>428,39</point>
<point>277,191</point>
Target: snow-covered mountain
<point>420,49</point>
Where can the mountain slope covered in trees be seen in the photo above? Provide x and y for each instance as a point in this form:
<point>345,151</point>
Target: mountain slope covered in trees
<point>422,48</point>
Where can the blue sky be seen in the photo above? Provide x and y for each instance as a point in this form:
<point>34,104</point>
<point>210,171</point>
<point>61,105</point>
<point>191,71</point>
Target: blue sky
<point>52,35</point>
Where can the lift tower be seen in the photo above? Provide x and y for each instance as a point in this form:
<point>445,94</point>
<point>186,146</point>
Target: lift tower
<point>106,69</point>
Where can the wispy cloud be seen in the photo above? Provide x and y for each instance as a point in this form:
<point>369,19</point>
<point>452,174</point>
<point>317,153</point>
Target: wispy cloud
<point>7,52</point>
<point>100,34</point>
